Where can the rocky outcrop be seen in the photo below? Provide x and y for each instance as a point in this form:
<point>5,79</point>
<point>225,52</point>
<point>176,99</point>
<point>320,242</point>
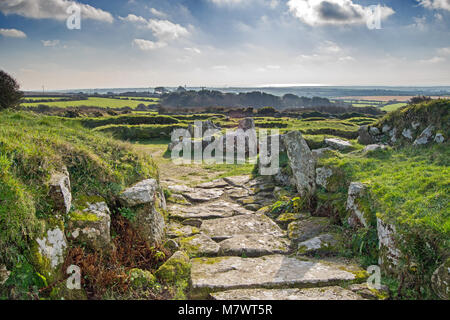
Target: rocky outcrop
<point>425,137</point>
<point>322,244</point>
<point>60,191</point>
<point>357,206</point>
<point>91,226</point>
<point>338,144</point>
<point>302,230</point>
<point>148,203</point>
<point>389,254</point>
<point>440,281</point>
<point>365,137</point>
<point>49,252</point>
<point>301,162</point>
<point>322,176</point>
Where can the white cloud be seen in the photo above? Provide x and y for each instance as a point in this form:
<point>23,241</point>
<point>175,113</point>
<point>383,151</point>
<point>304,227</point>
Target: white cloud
<point>193,50</point>
<point>164,30</point>
<point>51,9</point>
<point>50,43</point>
<point>158,13</point>
<point>444,51</point>
<point>435,4</point>
<point>133,18</point>
<point>433,60</point>
<point>12,33</point>
<point>333,12</point>
<point>147,45</point>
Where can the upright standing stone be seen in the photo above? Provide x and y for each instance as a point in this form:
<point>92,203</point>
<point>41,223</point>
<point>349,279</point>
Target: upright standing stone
<point>148,202</point>
<point>60,191</point>
<point>302,162</point>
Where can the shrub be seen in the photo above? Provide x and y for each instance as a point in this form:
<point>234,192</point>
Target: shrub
<point>9,91</point>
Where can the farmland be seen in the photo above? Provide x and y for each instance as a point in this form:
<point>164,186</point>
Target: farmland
<point>93,102</point>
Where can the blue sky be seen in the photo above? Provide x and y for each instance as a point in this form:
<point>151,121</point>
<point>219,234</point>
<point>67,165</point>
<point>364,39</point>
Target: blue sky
<point>145,43</point>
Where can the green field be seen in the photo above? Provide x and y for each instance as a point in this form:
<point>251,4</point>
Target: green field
<point>92,102</point>
<point>393,107</point>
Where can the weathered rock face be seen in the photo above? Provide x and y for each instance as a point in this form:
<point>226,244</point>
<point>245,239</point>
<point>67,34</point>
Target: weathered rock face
<point>141,193</point>
<point>425,137</point>
<point>301,162</point>
<point>389,254</point>
<point>303,230</point>
<point>219,209</point>
<point>338,144</point>
<point>50,253</point>
<point>4,274</point>
<point>440,281</point>
<point>226,228</point>
<point>199,246</point>
<point>202,195</point>
<point>357,205</point>
<point>254,245</point>
<point>176,230</point>
<point>326,293</point>
<point>275,271</point>
<point>365,137</point>
<point>148,202</point>
<point>439,138</point>
<point>60,192</point>
<point>91,226</point>
<point>324,243</point>
<point>322,176</point>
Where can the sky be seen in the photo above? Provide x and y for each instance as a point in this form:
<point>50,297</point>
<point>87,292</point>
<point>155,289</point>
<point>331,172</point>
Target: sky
<point>225,43</point>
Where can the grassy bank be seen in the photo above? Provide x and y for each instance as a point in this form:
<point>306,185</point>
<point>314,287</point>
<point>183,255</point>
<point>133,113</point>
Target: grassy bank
<point>31,148</point>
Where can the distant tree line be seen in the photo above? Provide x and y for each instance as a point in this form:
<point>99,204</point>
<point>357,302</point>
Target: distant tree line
<point>211,98</point>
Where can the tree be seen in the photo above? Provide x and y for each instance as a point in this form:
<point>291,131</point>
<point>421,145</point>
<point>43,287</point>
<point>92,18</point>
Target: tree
<point>9,91</point>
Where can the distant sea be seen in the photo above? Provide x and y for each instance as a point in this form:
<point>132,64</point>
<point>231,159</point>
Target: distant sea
<point>312,91</point>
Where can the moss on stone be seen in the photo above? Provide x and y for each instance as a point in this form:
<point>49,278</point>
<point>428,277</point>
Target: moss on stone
<point>176,269</point>
<point>141,279</point>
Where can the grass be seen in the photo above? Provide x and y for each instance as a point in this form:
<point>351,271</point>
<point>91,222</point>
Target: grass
<point>33,146</point>
<point>93,102</point>
<point>409,188</point>
<point>393,107</point>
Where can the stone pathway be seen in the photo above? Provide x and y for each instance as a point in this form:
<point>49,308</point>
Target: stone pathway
<point>238,252</point>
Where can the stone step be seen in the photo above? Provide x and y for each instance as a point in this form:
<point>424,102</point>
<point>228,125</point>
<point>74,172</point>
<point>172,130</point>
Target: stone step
<point>254,245</point>
<point>324,293</point>
<point>212,210</point>
<point>270,272</point>
<point>226,228</point>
